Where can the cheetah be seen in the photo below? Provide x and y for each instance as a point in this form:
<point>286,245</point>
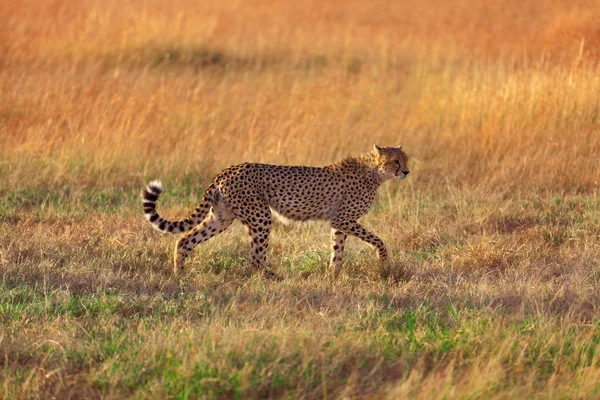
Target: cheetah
<point>340,193</point>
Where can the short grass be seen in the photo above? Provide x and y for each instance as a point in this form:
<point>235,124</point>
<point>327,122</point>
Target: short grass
<point>492,290</point>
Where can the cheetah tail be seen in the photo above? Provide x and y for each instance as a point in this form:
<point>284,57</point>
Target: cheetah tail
<point>149,198</point>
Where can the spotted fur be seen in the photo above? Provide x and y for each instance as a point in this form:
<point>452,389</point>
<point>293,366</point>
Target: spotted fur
<point>340,193</point>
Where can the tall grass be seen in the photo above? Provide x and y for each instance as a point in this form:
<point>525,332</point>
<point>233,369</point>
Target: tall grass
<point>98,82</point>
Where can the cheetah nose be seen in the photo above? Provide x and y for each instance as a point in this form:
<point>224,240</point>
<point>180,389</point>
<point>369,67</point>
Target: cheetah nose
<point>405,172</point>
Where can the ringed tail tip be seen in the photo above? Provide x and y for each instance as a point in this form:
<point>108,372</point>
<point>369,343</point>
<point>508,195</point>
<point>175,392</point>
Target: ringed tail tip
<point>154,187</point>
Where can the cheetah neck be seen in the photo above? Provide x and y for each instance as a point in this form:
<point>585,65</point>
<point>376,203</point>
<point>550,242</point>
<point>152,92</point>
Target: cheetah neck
<point>365,164</point>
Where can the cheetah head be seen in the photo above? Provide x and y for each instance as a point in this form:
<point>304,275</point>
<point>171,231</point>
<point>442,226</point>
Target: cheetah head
<point>392,162</point>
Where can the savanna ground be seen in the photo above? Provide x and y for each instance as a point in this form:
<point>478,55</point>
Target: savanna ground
<point>493,288</point>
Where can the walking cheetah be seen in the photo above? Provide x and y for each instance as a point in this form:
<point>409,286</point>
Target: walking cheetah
<point>340,193</point>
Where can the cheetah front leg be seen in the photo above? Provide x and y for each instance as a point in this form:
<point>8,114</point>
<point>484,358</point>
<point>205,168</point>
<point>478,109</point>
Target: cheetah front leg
<point>355,229</point>
<point>338,239</point>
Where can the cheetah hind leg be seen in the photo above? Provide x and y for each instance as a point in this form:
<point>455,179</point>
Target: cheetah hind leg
<point>219,218</point>
<point>258,222</point>
<point>338,240</point>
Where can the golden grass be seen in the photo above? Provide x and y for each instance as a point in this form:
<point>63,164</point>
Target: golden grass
<point>492,288</point>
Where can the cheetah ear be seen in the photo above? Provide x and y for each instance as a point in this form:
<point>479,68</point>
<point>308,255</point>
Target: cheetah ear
<point>399,147</point>
<point>377,148</point>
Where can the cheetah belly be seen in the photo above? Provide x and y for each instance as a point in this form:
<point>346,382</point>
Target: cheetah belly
<point>299,210</point>
<point>302,193</point>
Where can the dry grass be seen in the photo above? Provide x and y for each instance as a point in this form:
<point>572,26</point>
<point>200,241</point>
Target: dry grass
<point>492,290</point>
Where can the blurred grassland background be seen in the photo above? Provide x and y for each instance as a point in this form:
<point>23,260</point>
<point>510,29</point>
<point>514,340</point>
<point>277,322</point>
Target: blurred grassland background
<point>492,289</point>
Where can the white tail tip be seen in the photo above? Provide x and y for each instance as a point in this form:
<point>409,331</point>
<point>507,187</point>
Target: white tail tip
<point>155,184</point>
